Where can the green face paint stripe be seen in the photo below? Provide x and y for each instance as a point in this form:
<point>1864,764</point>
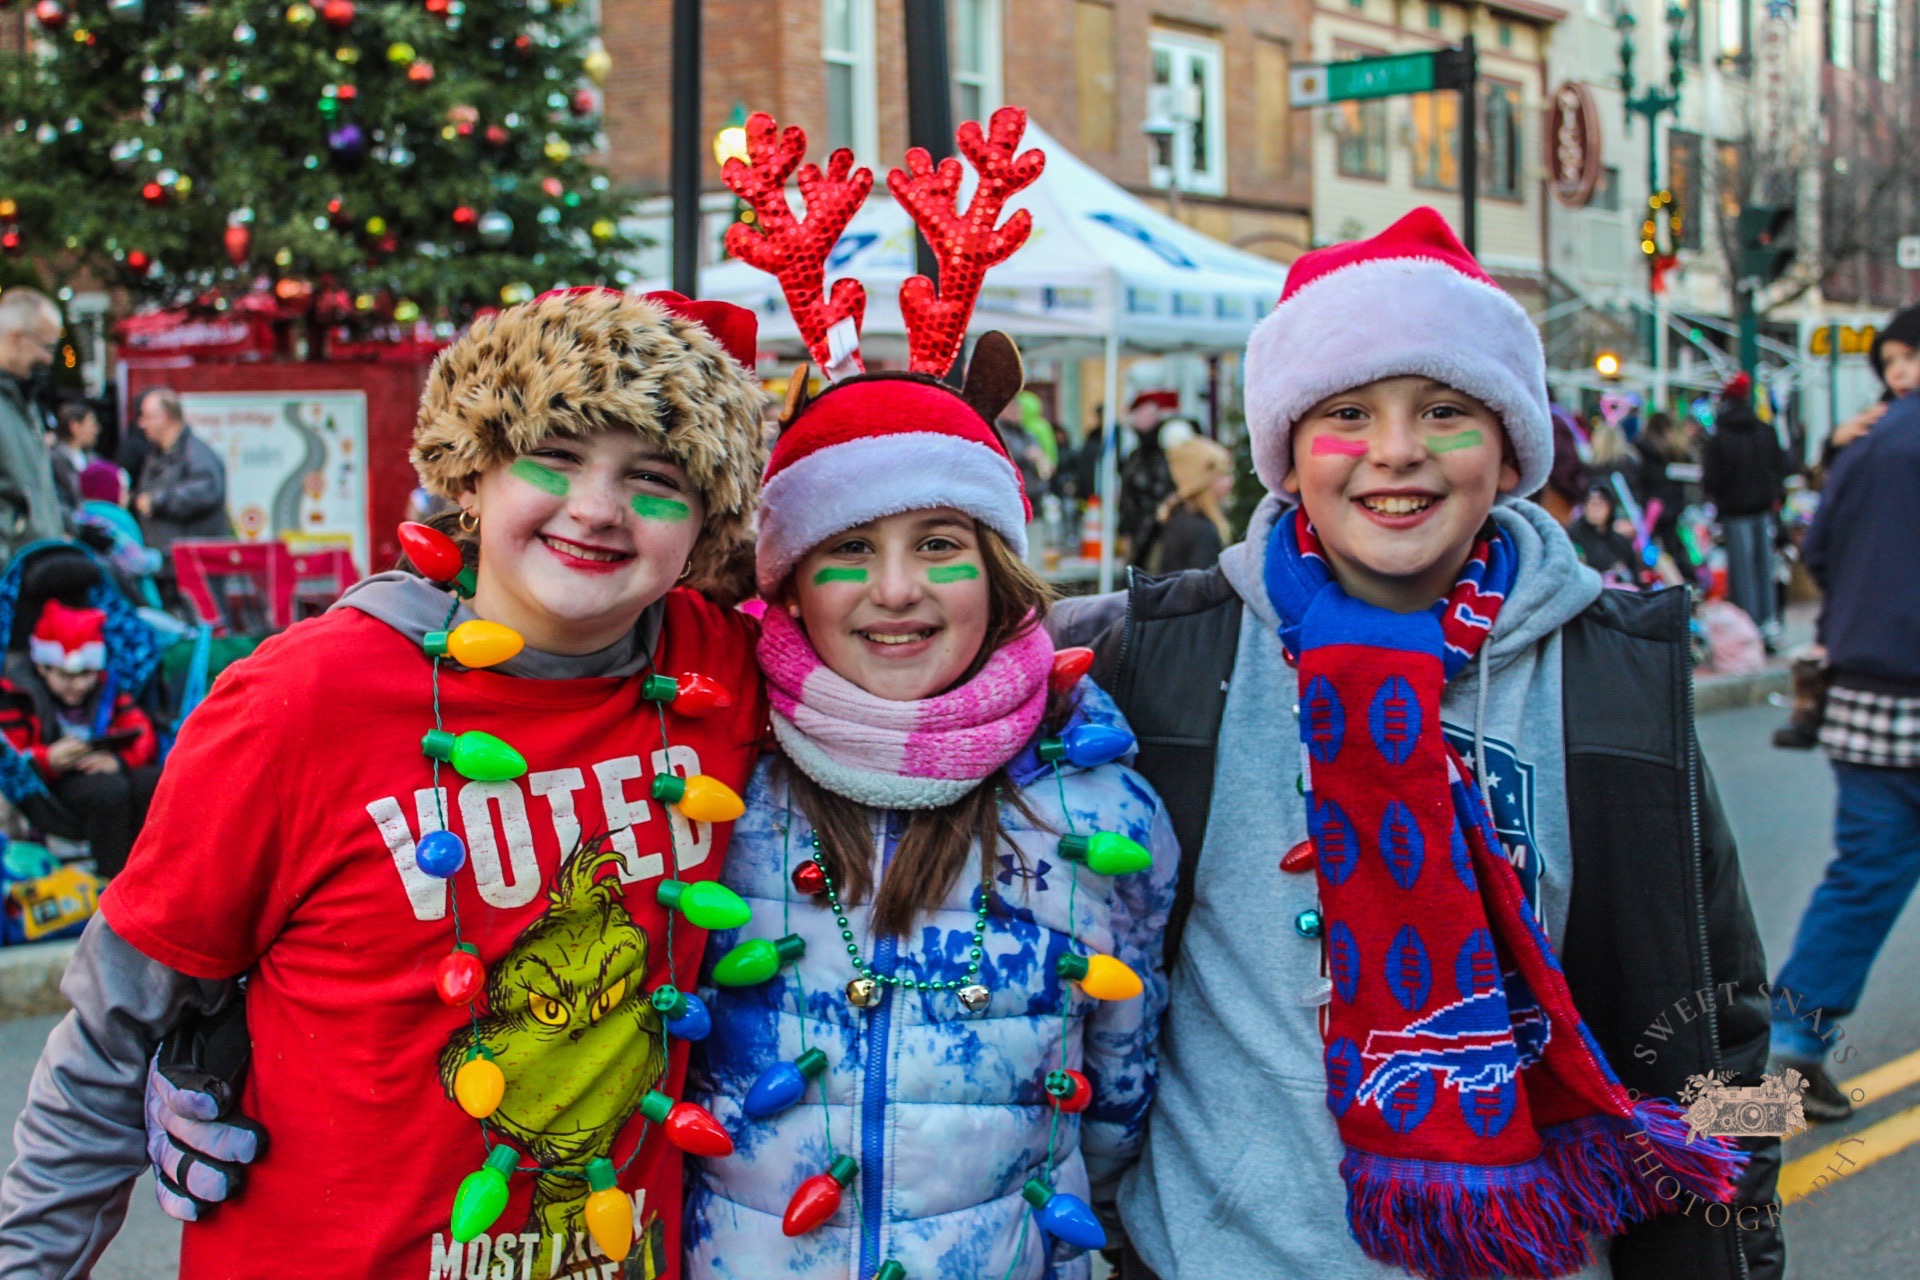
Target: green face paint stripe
<point>831,574</point>
<point>1447,444</point>
<point>648,507</point>
<point>954,573</point>
<point>540,477</point>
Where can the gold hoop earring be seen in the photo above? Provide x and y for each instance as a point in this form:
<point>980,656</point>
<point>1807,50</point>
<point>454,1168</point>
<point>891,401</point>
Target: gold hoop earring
<point>685,569</point>
<point>469,522</point>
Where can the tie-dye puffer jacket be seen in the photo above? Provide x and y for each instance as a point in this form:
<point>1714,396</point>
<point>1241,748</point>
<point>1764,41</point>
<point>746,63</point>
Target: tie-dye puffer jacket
<point>943,1109</point>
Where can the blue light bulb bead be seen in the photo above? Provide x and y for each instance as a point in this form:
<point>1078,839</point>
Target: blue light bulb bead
<point>440,854</point>
<point>684,1014</point>
<point>1064,1216</point>
<point>782,1084</point>
<point>1086,746</point>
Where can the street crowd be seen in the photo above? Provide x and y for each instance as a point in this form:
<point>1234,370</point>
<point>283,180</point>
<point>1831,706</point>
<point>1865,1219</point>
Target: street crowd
<point>700,860</point>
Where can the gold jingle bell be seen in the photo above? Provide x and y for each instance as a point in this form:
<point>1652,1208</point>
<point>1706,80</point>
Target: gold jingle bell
<point>863,993</point>
<point>975,997</point>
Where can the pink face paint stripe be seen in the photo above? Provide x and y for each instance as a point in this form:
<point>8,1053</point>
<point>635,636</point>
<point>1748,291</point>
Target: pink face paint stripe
<point>1324,446</point>
<point>1447,444</point>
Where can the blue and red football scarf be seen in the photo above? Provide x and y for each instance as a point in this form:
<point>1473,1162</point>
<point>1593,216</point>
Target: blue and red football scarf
<point>1485,1133</point>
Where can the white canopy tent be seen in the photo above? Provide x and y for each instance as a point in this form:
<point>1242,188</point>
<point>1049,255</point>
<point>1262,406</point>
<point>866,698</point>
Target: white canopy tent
<point>1101,270</point>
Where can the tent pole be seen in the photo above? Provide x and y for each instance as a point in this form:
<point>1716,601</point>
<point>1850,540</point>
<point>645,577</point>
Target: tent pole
<point>1109,450</point>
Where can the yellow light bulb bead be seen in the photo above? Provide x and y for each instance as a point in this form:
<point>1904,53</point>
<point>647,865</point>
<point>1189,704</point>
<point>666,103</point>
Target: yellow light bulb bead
<point>709,800</point>
<point>609,1213</point>
<point>480,643</point>
<point>479,1086</point>
<point>1101,977</point>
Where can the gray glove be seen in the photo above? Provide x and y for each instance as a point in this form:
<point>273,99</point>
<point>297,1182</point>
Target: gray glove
<point>199,1145</point>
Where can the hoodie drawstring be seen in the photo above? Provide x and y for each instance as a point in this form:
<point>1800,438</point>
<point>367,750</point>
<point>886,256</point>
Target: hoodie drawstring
<point>1480,720</point>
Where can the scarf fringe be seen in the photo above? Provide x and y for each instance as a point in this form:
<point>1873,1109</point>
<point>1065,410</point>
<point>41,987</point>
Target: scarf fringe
<point>1596,1177</point>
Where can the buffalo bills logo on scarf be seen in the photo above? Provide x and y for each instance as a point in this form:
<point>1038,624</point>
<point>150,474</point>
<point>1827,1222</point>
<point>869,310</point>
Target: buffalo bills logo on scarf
<point>1484,1132</point>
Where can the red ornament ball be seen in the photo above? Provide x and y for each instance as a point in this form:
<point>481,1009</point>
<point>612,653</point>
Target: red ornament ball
<point>439,8</point>
<point>420,72</point>
<point>10,241</point>
<point>50,14</point>
<point>496,135</point>
<point>460,978</point>
<point>346,92</point>
<point>810,878</point>
<point>338,13</point>
<point>582,103</point>
<point>153,193</point>
<point>465,216</point>
<point>522,45</point>
<point>238,240</point>
<point>139,262</point>
<point>389,242</point>
<point>552,187</point>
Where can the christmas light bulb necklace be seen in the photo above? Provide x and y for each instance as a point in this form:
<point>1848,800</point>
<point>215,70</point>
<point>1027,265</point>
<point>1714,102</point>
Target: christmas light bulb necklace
<point>479,1085</point>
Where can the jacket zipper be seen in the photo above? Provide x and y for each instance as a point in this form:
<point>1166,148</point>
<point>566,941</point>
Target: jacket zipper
<point>1712,1010</point>
<point>1126,631</point>
<point>873,1097</point>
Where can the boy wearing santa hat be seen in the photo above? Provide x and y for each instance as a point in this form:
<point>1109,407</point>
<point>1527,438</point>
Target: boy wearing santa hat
<point>1459,914</point>
<point>90,743</point>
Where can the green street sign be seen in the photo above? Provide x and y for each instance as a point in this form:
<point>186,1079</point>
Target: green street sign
<point>1316,84</point>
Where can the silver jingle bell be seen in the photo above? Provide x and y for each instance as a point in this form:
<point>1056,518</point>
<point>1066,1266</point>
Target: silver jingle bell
<point>975,997</point>
<point>863,993</point>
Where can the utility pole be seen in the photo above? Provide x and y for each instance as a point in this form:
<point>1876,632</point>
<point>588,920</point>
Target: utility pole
<point>684,175</point>
<point>1654,103</point>
<point>1469,147</point>
<point>929,99</point>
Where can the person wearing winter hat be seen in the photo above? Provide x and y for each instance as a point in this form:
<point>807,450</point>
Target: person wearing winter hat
<point>1193,528</point>
<point>89,741</point>
<point>1744,473</point>
<point>1399,720</point>
<point>921,848</point>
<point>440,828</point>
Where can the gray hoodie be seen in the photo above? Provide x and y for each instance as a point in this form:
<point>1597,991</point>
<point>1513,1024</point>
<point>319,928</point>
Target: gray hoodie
<point>1240,1175</point>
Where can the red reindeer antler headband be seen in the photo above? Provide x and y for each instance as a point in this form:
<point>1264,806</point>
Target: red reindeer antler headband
<point>964,244</point>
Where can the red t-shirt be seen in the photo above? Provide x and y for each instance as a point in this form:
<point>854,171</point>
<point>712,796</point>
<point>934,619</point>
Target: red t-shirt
<point>281,845</point>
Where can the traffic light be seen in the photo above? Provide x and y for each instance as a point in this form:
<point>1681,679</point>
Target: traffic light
<point>1766,242</point>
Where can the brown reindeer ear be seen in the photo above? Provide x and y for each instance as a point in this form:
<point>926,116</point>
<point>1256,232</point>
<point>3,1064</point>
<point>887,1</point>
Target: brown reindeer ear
<point>994,375</point>
<point>798,397</point>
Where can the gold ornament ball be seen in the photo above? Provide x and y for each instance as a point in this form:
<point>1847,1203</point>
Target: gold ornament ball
<point>603,229</point>
<point>558,150</point>
<point>598,65</point>
<point>184,185</point>
<point>284,258</point>
<point>449,133</point>
<point>347,53</point>
<point>406,311</point>
<point>8,208</point>
<point>300,15</point>
<point>376,225</point>
<point>517,292</point>
<point>400,52</point>
<point>363,302</point>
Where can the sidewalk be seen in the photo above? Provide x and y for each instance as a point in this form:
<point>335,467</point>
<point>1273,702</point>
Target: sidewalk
<point>1724,693</point>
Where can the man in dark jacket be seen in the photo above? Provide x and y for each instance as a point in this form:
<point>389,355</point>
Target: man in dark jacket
<point>182,488</point>
<point>29,501</point>
<point>1862,551</point>
<point>1744,472</point>
<point>1145,477</point>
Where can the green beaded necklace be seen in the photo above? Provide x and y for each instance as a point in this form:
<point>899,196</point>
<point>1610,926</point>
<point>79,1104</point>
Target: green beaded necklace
<point>864,991</point>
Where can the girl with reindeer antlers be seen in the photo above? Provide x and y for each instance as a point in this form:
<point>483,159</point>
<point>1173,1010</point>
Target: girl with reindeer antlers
<point>932,1042</point>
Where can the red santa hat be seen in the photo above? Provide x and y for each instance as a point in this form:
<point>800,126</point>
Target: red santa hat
<point>71,640</point>
<point>1411,300</point>
<point>875,446</point>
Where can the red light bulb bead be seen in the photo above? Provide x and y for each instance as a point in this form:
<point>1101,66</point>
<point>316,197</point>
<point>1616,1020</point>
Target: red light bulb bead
<point>436,555</point>
<point>688,1126</point>
<point>1068,1090</point>
<point>818,1198</point>
<point>1068,666</point>
<point>461,977</point>
<point>691,695</point>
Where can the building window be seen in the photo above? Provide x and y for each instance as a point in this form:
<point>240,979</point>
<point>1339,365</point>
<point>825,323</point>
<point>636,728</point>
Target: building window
<point>1093,75</point>
<point>1273,116</point>
<point>1436,140</point>
<point>976,58</point>
<point>1683,179</point>
<point>1840,33</point>
<point>1886,46</point>
<point>1186,110</point>
<point>1362,128</point>
<point>1433,17</point>
<point>846,45</point>
<point>1735,27</point>
<point>1504,34</point>
<point>1606,192</point>
<point>1690,30</point>
<point>1500,140</point>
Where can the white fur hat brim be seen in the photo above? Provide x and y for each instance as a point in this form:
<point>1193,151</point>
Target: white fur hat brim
<point>1394,317</point>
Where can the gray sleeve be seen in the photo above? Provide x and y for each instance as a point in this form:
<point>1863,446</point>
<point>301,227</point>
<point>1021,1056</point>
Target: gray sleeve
<point>1078,620</point>
<point>82,1140</point>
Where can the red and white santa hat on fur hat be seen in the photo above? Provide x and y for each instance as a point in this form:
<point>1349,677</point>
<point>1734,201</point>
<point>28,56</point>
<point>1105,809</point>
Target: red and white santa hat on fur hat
<point>878,446</point>
<point>70,640</point>
<point>1411,300</point>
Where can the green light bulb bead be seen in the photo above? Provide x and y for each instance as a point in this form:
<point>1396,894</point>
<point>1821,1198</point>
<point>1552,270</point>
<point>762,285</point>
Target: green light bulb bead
<point>756,960</point>
<point>1106,853</point>
<point>482,1197</point>
<point>707,904</point>
<point>479,757</point>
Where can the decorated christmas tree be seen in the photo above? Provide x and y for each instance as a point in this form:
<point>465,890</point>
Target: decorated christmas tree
<point>366,162</point>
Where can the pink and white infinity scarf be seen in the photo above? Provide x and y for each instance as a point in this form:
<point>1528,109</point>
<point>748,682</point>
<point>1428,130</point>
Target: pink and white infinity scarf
<point>901,755</point>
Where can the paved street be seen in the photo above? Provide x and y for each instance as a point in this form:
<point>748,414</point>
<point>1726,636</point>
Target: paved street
<point>1862,1228</point>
